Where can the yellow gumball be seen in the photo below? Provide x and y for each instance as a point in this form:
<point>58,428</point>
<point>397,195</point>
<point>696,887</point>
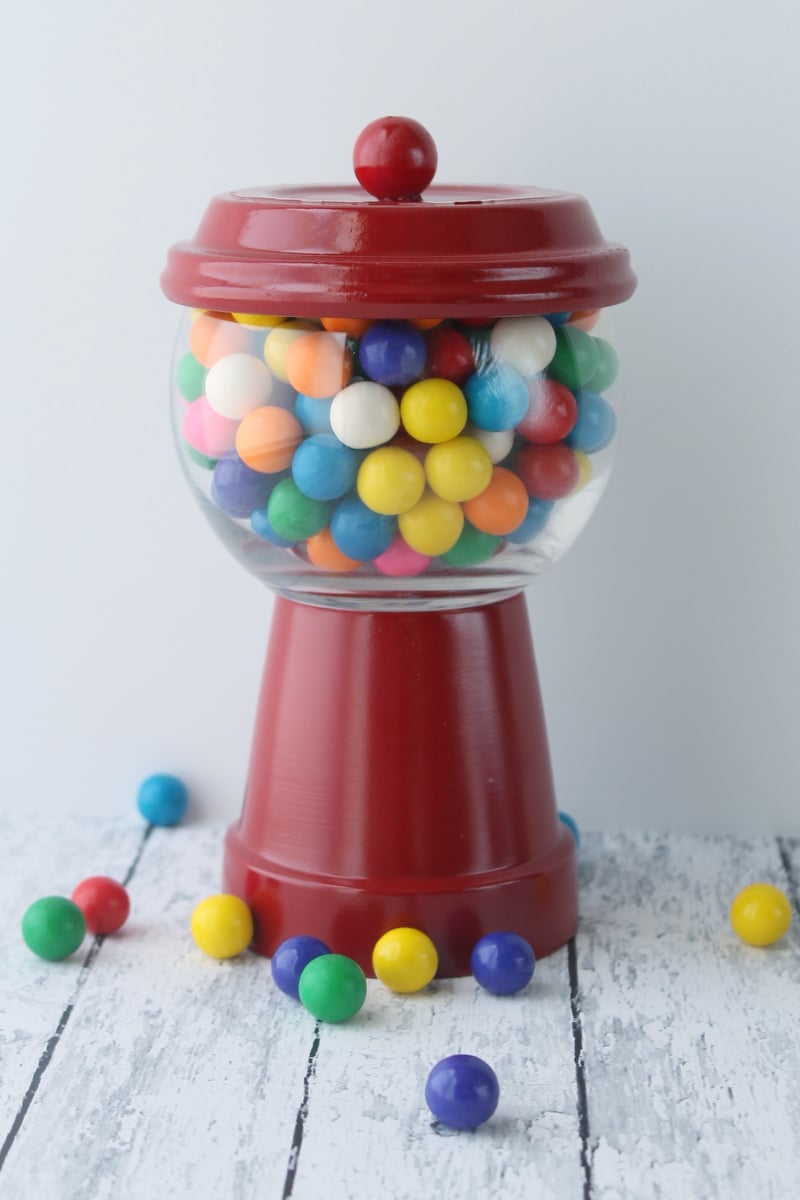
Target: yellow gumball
<point>433,410</point>
<point>761,914</point>
<point>459,469</point>
<point>405,959</point>
<point>391,480</point>
<point>433,526</point>
<point>585,471</point>
<point>222,926</point>
<point>257,320</point>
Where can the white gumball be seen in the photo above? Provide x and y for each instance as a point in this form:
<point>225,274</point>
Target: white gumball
<point>365,414</point>
<point>238,383</point>
<point>525,343</point>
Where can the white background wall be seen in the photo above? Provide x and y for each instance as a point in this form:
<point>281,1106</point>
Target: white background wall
<point>668,639</point>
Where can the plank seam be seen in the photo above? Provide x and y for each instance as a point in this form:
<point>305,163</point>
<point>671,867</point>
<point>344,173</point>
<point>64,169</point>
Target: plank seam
<point>789,871</point>
<point>50,1049</point>
<point>584,1130</point>
<point>302,1116</point>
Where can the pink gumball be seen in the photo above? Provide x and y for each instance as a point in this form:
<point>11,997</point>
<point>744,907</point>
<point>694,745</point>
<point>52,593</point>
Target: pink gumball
<point>400,559</point>
<point>207,431</point>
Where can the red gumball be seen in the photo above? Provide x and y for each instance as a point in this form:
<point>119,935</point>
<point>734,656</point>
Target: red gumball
<point>395,158</point>
<point>548,472</point>
<point>104,903</point>
<point>450,354</point>
<point>552,412</point>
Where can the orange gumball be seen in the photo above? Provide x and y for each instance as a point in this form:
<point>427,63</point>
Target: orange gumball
<point>501,507</point>
<point>426,322</point>
<point>211,337</point>
<point>318,365</point>
<point>324,553</point>
<point>353,326</point>
<point>267,438</point>
<point>585,319</point>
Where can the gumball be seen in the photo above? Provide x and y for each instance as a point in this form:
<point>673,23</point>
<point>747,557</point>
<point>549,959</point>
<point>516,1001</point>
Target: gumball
<point>497,397</point>
<point>572,826</point>
<point>238,383</point>
<point>208,432</point>
<point>433,410</point>
<point>595,426</point>
<point>607,366</point>
<point>332,987</point>
<point>290,960</point>
<point>503,963</point>
<point>313,415</point>
<point>548,472</point>
<point>262,527</point>
<point>237,489</point>
<point>405,959</point>
<point>392,353</point>
<point>426,322</point>
<point>472,548</point>
<point>318,364</point>
<point>354,327</point>
<point>585,319</point>
<point>459,469</point>
<point>559,318</point>
<point>760,914</point>
<point>585,471</point>
<point>267,439</point>
<point>200,460</point>
<point>462,1091</point>
<point>190,376</point>
<point>212,338</point>
<point>222,926</point>
<point>104,903</point>
<point>293,515</point>
<point>449,355</point>
<point>364,415</point>
<point>525,343</point>
<point>534,522</point>
<point>53,927</point>
<point>323,468</point>
<point>279,341</point>
<point>502,505</point>
<point>552,412</point>
<point>323,552</point>
<point>395,158</point>
<point>391,480</point>
<point>433,526</point>
<point>258,320</point>
<point>400,560</point>
<point>162,799</point>
<point>359,532</point>
<point>497,443</point>
<point>576,358</point>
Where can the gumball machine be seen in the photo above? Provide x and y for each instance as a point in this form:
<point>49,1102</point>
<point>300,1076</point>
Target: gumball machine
<point>394,402</point>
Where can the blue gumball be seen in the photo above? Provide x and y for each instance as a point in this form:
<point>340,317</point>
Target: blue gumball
<point>323,468</point>
<point>503,963</point>
<point>393,353</point>
<point>497,398</point>
<point>313,415</point>
<point>537,517</point>
<point>595,426</point>
<point>572,826</point>
<point>558,318</point>
<point>359,532</point>
<point>290,960</point>
<point>262,527</point>
<point>162,799</point>
<point>462,1091</point>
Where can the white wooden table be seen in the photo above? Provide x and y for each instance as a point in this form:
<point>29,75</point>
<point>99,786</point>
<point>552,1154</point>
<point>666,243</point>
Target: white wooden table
<point>656,1056</point>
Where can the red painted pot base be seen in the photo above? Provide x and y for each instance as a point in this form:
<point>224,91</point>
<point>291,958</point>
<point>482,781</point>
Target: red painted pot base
<point>400,775</point>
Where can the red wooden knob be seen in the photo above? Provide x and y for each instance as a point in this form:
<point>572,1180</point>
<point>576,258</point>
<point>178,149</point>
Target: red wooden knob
<point>395,158</point>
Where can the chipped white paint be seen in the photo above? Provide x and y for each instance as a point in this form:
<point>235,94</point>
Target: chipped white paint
<point>177,1076</point>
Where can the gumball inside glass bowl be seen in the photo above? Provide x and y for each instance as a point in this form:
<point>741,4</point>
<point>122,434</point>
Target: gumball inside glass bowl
<point>395,403</point>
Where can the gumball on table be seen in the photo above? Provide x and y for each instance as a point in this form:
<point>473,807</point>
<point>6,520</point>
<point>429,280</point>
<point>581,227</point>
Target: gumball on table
<point>105,904</point>
<point>53,927</point>
<point>462,1091</point>
<point>396,404</point>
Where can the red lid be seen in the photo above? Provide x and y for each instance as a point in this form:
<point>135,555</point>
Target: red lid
<point>335,250</point>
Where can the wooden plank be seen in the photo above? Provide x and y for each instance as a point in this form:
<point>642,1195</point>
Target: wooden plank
<point>178,1075</point>
<point>43,858</point>
<point>369,1133</point>
<point>691,1038</point>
